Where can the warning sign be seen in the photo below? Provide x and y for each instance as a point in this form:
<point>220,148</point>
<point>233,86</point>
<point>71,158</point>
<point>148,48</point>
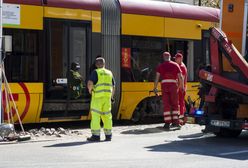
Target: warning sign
<point>126,57</point>
<point>11,14</point>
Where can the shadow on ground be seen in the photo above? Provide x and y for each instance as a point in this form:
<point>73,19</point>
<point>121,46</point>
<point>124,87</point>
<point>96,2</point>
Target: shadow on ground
<point>69,144</point>
<point>144,131</point>
<point>230,148</point>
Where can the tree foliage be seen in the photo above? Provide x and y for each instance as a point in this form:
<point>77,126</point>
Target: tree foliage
<point>209,3</point>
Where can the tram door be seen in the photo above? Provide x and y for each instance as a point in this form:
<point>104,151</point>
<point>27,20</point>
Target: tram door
<point>66,93</point>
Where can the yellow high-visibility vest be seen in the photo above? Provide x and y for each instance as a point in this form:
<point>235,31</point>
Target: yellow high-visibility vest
<point>104,86</point>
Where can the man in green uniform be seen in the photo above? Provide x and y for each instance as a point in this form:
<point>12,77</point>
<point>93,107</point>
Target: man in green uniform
<point>101,86</point>
<point>75,81</point>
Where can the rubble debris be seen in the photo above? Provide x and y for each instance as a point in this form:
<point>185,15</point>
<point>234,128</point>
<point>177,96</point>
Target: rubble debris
<point>7,131</point>
<point>61,130</point>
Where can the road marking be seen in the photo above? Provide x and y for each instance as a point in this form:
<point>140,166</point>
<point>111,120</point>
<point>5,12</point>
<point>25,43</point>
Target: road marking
<point>232,153</point>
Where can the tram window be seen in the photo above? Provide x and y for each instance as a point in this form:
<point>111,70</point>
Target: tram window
<point>66,49</point>
<point>145,55</point>
<point>22,63</point>
<point>198,57</point>
<point>202,53</point>
<point>206,48</point>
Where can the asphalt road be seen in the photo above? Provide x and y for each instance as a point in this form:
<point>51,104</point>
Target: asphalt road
<point>132,146</point>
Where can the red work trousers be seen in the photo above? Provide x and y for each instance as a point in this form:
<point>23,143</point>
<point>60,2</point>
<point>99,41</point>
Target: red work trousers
<point>170,102</point>
<point>182,102</point>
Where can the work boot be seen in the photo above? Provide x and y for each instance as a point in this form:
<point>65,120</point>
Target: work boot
<point>175,126</point>
<point>94,138</point>
<point>108,137</point>
<point>167,126</point>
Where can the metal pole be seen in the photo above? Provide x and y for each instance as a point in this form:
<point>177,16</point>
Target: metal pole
<point>221,13</point>
<point>1,33</point>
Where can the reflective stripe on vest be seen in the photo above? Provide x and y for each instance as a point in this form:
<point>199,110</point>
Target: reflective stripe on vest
<point>103,87</point>
<point>100,112</point>
<point>169,81</point>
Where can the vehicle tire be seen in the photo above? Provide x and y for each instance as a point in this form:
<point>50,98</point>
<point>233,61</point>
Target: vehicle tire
<point>136,117</point>
<point>225,132</point>
<point>139,113</point>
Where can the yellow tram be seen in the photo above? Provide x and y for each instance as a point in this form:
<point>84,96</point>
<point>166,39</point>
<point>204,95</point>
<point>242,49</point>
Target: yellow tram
<point>48,35</point>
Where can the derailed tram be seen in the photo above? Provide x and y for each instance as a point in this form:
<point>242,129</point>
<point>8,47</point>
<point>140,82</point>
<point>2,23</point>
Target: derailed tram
<point>48,35</point>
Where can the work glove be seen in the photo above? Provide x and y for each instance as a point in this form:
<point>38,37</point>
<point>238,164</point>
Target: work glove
<point>155,91</point>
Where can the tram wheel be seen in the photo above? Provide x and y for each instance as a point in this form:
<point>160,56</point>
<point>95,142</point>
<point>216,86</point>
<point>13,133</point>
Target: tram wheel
<point>137,115</point>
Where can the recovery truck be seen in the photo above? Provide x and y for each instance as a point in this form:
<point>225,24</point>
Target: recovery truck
<point>225,81</point>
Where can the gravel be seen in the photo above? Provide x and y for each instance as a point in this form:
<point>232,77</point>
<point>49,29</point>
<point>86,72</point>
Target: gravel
<point>82,133</point>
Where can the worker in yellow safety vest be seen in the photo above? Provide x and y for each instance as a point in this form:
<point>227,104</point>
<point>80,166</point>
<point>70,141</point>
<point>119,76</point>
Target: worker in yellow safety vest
<point>75,81</point>
<point>101,86</point>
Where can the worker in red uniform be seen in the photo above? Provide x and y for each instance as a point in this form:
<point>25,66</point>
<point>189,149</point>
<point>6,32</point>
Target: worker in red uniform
<point>172,79</point>
<point>179,61</point>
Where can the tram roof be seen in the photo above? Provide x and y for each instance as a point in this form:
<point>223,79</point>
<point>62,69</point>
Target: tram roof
<point>168,9</point>
<point>142,7</point>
